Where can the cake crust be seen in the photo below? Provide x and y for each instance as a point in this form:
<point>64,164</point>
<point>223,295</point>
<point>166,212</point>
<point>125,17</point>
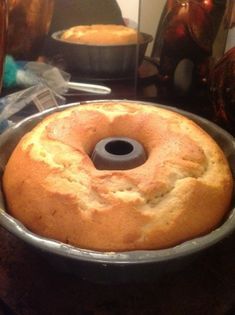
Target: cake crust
<point>182,191</point>
<point>100,34</point>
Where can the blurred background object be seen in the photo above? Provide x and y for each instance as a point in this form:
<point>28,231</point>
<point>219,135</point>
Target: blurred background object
<point>222,88</point>
<point>189,34</point>
<point>79,12</point>
<point>3,30</point>
<point>230,25</point>
<point>222,77</point>
<point>29,22</point>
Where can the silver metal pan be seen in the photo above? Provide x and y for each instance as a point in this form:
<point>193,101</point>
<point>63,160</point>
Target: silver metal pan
<point>119,266</point>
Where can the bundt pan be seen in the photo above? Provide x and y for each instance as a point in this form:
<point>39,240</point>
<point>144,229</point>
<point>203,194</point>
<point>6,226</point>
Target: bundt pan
<point>101,61</point>
<point>96,266</point>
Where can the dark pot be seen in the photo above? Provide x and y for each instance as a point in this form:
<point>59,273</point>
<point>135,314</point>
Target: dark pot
<point>104,61</point>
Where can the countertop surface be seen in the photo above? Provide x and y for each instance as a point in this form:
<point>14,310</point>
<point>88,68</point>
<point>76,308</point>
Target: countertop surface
<point>29,285</point>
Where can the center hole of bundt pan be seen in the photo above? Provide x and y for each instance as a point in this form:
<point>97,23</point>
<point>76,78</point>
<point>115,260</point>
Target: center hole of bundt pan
<point>118,153</point>
<point>119,147</point>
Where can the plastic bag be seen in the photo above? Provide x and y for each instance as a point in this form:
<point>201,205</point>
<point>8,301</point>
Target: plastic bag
<point>54,78</point>
<point>39,95</point>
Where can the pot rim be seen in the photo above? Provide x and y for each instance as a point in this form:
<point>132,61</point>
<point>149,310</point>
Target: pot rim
<point>147,38</point>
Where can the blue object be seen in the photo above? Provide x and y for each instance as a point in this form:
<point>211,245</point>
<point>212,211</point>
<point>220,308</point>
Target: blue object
<point>10,72</point>
<point>15,75</point>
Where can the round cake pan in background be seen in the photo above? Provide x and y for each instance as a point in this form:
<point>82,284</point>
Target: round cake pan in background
<point>101,61</point>
<point>96,266</point>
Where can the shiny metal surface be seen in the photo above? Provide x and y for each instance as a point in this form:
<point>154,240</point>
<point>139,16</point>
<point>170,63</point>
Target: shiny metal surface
<point>91,88</point>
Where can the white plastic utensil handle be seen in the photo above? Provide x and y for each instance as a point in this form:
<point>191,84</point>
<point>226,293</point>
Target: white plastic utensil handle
<point>92,88</point>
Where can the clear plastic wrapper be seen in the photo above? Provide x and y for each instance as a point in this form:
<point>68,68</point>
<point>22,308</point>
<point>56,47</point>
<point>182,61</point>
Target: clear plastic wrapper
<point>39,95</point>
